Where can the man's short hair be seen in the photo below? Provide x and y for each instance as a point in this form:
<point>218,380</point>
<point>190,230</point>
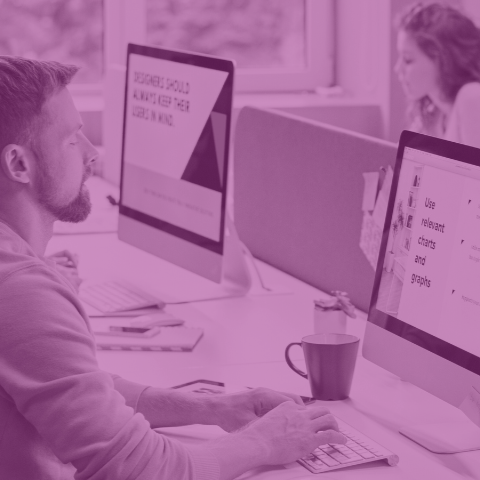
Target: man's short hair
<point>25,86</point>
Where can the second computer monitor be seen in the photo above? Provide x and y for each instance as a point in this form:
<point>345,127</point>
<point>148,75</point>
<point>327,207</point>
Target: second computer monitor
<point>175,156</point>
<point>423,322</point>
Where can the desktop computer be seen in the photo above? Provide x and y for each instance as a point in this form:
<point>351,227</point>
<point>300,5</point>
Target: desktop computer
<point>174,170</point>
<point>424,317</point>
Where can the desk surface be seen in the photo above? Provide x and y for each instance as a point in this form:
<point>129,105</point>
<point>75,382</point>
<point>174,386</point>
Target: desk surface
<point>244,344</point>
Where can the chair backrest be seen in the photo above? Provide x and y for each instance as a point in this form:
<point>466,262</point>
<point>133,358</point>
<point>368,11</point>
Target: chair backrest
<point>298,189</point>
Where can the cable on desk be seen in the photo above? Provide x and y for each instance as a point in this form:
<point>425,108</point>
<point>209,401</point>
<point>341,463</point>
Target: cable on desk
<point>247,251</point>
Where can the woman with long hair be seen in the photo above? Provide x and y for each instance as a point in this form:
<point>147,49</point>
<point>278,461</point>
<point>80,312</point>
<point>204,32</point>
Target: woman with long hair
<point>439,68</point>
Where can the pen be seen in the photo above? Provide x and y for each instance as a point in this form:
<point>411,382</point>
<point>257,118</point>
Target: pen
<point>114,328</point>
<point>155,320</point>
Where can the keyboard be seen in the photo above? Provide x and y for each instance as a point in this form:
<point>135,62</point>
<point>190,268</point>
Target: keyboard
<point>358,450</point>
<point>117,296</point>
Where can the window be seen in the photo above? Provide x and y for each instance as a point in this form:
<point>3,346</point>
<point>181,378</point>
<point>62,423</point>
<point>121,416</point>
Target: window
<point>279,45</point>
<point>267,34</point>
<point>69,31</point>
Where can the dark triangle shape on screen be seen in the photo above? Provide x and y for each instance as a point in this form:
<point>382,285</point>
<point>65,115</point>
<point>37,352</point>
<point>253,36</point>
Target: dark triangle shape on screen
<point>202,168</point>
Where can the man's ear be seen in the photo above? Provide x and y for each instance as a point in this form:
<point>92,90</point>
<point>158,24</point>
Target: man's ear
<point>16,163</point>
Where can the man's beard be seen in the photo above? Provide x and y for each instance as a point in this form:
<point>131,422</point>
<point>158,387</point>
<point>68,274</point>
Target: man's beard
<point>75,211</point>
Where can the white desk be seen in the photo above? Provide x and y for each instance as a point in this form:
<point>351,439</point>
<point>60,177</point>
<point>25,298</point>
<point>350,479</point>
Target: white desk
<point>244,344</point>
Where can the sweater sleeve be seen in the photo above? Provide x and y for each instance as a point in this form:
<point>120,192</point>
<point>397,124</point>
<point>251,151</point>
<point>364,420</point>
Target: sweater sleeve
<point>49,369</point>
<point>130,391</point>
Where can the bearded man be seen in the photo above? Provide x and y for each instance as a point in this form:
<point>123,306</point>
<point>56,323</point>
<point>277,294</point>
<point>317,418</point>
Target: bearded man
<point>61,417</point>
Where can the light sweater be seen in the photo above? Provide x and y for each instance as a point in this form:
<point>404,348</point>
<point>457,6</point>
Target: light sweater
<point>462,125</point>
<point>464,120</point>
<point>61,417</point>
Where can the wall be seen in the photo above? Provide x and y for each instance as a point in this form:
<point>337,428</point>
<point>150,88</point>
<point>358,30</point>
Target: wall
<point>363,52</point>
<point>360,115</point>
<point>366,119</point>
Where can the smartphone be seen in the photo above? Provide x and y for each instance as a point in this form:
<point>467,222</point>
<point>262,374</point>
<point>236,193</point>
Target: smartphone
<point>126,331</point>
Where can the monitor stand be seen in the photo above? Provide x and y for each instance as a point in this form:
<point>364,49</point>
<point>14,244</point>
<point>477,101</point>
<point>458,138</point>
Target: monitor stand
<point>448,437</point>
<point>236,276</point>
<point>236,280</point>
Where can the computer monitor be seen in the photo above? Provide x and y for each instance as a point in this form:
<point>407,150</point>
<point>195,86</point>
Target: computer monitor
<point>176,133</point>
<point>424,317</point>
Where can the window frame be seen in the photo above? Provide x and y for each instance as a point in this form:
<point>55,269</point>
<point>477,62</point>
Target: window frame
<point>124,22</point>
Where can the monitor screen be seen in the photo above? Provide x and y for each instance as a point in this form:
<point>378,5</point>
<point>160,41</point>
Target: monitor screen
<point>428,275</point>
<point>175,143</point>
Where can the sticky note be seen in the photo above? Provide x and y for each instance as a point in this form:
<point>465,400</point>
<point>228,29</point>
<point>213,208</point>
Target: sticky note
<point>370,191</point>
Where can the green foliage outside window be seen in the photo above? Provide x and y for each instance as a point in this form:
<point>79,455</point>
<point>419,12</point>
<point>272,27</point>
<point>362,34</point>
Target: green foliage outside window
<point>260,34</point>
<point>69,31</point>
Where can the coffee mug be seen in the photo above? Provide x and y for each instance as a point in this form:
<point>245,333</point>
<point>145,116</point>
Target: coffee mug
<point>330,360</point>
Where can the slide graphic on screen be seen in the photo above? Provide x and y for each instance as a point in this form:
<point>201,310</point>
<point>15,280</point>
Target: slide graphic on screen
<point>205,167</point>
<point>431,271</point>
<point>174,150</point>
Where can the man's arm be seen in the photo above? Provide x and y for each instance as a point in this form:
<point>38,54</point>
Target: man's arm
<point>171,408</point>
<point>277,427</point>
<point>50,373</point>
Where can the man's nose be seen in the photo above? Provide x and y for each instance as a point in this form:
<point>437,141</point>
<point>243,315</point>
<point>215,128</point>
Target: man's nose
<point>93,155</point>
<point>90,152</point>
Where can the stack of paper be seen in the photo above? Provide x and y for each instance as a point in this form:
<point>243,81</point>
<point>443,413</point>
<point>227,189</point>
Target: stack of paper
<point>374,206</point>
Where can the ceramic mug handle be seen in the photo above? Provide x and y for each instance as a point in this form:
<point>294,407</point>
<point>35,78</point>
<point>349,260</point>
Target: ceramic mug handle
<point>290,363</point>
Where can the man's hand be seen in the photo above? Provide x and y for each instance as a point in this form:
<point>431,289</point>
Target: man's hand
<point>291,431</point>
<point>277,427</point>
<point>65,258</point>
<point>66,264</point>
<point>236,410</point>
<point>283,435</point>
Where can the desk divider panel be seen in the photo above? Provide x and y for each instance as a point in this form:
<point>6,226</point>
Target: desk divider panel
<point>298,189</point>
